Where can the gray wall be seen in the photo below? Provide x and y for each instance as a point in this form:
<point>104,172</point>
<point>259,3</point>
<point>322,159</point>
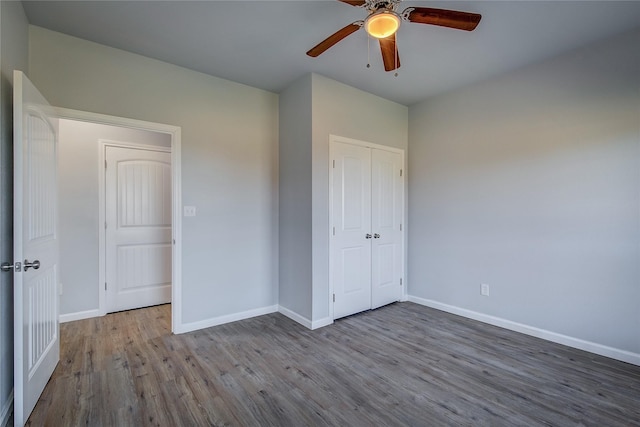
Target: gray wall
<point>530,182</point>
<point>311,109</point>
<point>229,143</point>
<point>342,110</point>
<point>78,203</point>
<point>13,55</point>
<point>295,198</point>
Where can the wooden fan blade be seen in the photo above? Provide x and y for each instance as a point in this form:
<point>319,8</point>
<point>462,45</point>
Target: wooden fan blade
<point>353,2</point>
<point>445,18</point>
<point>333,39</point>
<point>390,55</point>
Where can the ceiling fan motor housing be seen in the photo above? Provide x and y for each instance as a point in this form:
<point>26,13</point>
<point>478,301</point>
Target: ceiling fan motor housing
<point>376,5</point>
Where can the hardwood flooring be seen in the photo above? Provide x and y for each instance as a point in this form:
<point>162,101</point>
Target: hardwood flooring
<point>403,364</point>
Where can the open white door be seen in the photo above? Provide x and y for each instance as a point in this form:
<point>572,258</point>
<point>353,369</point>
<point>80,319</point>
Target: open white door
<point>35,284</point>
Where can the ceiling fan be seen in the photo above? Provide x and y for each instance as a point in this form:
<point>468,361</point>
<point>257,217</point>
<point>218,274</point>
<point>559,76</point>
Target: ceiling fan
<point>383,21</point>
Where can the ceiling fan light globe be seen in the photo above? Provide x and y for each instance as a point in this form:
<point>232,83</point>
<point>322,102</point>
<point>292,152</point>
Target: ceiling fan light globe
<point>382,24</point>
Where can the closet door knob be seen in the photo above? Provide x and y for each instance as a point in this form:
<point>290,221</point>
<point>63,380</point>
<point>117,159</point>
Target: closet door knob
<point>27,265</point>
<point>376,236</point>
<point>368,236</point>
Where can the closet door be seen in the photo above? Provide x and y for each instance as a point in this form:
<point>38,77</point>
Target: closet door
<point>351,239</point>
<point>386,222</point>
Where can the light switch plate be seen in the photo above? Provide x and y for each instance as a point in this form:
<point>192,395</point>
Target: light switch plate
<point>189,211</point>
<point>484,289</point>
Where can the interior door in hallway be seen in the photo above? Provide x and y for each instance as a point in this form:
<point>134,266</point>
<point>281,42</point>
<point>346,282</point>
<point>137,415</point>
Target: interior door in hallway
<point>138,227</point>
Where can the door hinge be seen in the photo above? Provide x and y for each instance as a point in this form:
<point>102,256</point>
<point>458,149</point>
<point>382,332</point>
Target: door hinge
<point>105,225</point>
<point>401,281</point>
<point>334,164</point>
<point>334,297</point>
<point>105,286</point>
<point>334,231</point>
<point>400,172</point>
<point>105,164</point>
<point>400,227</point>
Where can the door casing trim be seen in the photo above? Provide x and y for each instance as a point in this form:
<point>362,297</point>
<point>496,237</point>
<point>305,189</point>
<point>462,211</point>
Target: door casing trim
<point>174,133</point>
<point>333,139</point>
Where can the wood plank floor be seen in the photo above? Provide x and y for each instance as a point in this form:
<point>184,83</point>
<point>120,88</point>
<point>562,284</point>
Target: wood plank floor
<point>402,364</point>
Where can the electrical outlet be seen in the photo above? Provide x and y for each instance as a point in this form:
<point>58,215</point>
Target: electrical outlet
<point>484,289</point>
<point>189,211</point>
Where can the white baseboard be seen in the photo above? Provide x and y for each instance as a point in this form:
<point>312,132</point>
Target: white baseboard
<point>6,410</point>
<point>603,350</point>
<point>80,315</point>
<point>215,321</point>
<point>303,320</point>
<point>295,316</point>
<point>321,323</point>
<point>316,324</point>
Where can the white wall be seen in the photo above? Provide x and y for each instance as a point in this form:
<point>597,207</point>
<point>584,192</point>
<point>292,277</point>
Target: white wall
<point>13,55</point>
<point>295,198</point>
<point>342,110</point>
<point>530,182</point>
<point>229,168</point>
<point>79,168</point>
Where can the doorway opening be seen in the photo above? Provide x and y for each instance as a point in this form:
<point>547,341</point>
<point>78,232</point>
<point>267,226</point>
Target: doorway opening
<point>120,222</point>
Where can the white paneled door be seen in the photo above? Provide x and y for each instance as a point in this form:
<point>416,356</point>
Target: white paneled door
<point>138,227</point>
<point>36,254</point>
<point>366,249</point>
<point>387,203</point>
<point>351,240</point>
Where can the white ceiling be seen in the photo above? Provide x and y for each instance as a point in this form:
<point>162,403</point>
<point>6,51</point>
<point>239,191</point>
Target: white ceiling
<point>263,43</point>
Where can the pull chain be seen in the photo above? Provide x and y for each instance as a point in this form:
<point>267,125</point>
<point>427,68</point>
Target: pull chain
<point>368,51</point>
<point>395,53</point>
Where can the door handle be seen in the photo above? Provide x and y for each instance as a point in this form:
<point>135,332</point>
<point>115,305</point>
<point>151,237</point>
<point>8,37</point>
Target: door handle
<point>376,236</point>
<point>367,236</point>
<point>7,266</point>
<point>27,265</point>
